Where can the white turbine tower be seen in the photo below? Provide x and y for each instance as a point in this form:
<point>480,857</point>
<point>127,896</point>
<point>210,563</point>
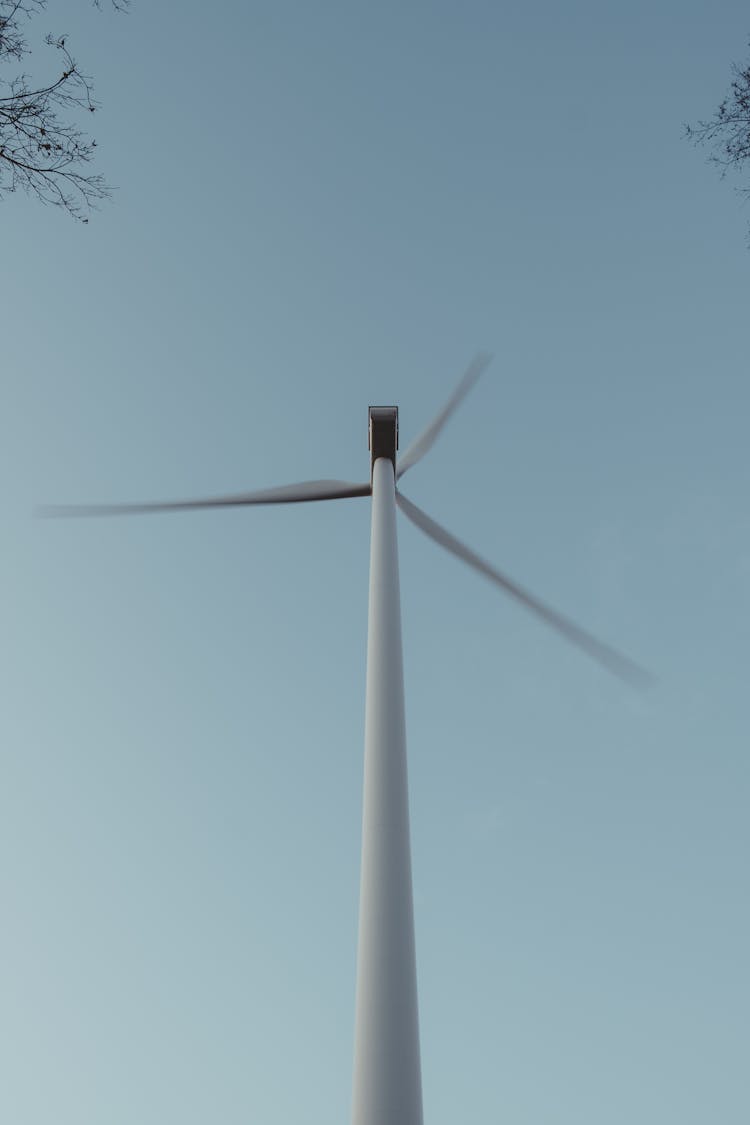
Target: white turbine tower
<point>387,1077</point>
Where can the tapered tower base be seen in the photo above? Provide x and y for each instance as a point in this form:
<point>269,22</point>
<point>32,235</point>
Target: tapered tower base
<point>387,1074</point>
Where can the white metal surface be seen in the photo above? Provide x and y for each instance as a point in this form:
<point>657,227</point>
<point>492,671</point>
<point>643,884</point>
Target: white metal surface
<point>387,1076</point>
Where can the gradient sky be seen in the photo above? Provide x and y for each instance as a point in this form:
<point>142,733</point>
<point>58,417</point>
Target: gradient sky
<point>321,206</point>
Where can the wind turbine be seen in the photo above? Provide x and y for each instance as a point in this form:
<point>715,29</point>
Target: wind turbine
<point>387,1087</point>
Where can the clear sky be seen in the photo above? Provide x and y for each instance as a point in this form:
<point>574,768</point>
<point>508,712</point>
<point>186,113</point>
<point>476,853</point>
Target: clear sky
<point>321,206</point>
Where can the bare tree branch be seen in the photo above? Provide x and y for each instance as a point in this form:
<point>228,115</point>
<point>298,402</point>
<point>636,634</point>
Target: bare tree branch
<point>43,148</point>
<point>727,133</point>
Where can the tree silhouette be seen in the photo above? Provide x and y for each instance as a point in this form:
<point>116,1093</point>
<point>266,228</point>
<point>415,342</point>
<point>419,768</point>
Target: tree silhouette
<point>727,133</point>
<point>43,148</point>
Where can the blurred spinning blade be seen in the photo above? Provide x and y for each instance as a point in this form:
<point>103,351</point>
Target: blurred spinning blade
<point>426,439</point>
<point>301,493</point>
<point>612,660</point>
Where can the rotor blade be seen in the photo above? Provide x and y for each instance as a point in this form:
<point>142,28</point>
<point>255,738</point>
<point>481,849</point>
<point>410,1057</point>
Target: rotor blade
<point>424,442</point>
<point>614,662</point>
<point>286,494</point>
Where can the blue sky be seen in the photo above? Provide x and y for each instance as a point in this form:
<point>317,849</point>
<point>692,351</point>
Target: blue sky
<point>319,207</point>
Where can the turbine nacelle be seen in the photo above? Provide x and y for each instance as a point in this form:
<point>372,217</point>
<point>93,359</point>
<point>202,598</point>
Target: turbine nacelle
<point>382,435</point>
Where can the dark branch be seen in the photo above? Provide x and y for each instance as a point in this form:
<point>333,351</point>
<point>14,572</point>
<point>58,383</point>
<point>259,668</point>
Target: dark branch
<point>727,133</point>
<point>43,148</point>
